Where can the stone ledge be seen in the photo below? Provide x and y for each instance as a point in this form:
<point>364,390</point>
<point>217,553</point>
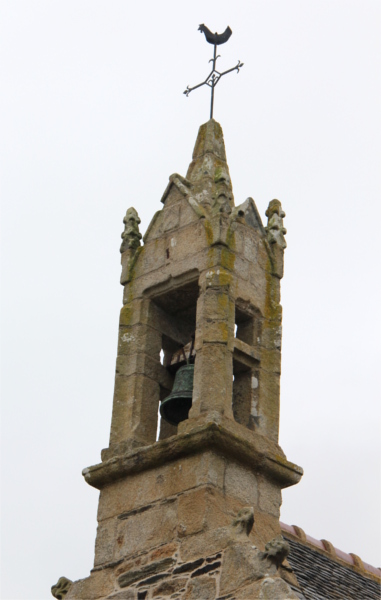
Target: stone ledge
<point>254,450</point>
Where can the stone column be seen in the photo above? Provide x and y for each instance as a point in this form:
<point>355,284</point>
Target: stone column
<point>213,378</point>
<point>137,389</point>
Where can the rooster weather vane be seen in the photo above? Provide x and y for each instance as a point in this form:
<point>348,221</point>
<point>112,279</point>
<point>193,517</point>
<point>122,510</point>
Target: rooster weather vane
<point>214,76</point>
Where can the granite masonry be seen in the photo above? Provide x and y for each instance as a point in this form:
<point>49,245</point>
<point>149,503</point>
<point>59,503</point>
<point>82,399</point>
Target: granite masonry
<point>191,510</point>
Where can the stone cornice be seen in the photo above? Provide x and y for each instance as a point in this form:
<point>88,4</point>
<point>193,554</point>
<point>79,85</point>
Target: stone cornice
<point>254,450</point>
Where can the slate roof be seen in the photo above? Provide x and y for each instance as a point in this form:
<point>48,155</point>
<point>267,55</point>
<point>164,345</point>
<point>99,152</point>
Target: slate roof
<point>323,575</point>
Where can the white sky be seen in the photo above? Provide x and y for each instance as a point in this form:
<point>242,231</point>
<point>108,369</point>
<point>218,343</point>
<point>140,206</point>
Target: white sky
<point>94,121</point>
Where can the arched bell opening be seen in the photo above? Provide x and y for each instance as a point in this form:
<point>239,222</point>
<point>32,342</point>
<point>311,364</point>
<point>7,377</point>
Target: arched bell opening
<point>175,407</point>
<point>176,316</point>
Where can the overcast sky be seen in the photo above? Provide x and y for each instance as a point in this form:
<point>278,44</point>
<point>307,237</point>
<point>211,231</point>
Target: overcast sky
<point>93,122</point>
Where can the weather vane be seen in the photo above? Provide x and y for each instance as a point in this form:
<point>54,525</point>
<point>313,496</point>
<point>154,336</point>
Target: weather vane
<point>214,76</point>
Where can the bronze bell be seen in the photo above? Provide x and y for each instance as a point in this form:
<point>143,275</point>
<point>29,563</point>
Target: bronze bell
<point>175,407</point>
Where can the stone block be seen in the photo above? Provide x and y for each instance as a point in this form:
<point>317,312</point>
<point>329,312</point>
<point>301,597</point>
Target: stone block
<point>187,214</point>
<point>136,400</point>
<point>124,595</point>
<point>250,246</point>
<point>215,304</point>
<point>169,587</point>
<point>171,217</point>
<point>201,588</point>
<point>214,332</point>
<point>105,541</point>
<point>146,529</point>
<point>98,585</point>
<point>242,564</point>
<point>137,338</point>
<point>204,544</point>
<point>133,575</point>
<point>241,483</point>
<point>201,509</point>
<point>165,481</point>
<point>184,242</point>
<point>163,552</point>
<point>274,588</point>
<point>216,277</point>
<point>266,527</point>
<point>121,410</point>
<point>269,497</point>
<point>213,381</point>
<point>139,363</point>
<point>241,268</point>
<point>142,311</point>
<point>268,404</point>
<point>154,256</point>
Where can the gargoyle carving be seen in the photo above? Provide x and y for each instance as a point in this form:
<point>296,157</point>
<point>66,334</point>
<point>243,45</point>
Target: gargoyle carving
<point>131,235</point>
<point>61,588</point>
<point>244,521</point>
<point>276,550</point>
<point>275,230</point>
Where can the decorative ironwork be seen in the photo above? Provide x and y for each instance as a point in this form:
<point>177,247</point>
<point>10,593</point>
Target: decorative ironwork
<point>214,76</point>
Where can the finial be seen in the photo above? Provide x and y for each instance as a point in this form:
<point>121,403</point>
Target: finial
<point>214,76</point>
<point>131,235</point>
<point>275,230</point>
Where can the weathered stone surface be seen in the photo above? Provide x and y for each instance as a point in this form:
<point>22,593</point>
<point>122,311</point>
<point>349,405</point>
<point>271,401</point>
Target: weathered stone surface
<point>241,483</point>
<point>275,230</point>
<point>202,588</point>
<point>201,509</point>
<point>147,529</point>
<point>276,550</point>
<point>210,272</point>
<point>169,587</point>
<point>131,236</point>
<point>267,589</point>
<point>138,574</point>
<point>269,497</point>
<point>61,588</point>
<point>222,435</point>
<point>166,480</point>
<point>210,542</point>
<point>124,595</point>
<point>98,585</point>
<point>105,541</point>
<point>189,566</point>
<point>276,588</point>
<point>243,564</point>
<point>243,522</point>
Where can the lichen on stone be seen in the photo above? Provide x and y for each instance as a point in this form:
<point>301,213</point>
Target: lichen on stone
<point>131,235</point>
<point>244,521</point>
<point>277,550</point>
<point>275,230</point>
<point>61,588</point>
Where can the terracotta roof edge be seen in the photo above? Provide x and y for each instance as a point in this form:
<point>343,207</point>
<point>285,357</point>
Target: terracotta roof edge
<point>327,547</point>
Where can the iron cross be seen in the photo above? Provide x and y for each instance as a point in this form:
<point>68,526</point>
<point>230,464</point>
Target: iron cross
<point>214,76</point>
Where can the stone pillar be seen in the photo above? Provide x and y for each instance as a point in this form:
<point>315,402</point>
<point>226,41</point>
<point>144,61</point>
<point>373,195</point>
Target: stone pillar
<point>213,378</point>
<point>137,389</point>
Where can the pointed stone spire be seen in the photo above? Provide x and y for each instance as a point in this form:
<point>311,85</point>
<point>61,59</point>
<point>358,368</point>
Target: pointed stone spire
<point>209,171</point>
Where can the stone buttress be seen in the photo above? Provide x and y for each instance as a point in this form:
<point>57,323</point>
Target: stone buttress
<point>192,511</point>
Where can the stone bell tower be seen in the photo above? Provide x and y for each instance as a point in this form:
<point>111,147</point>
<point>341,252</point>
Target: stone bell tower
<point>191,510</point>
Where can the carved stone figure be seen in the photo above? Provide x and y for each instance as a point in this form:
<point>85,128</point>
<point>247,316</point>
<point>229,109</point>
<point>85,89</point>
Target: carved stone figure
<point>275,230</point>
<point>131,235</point>
<point>276,550</point>
<point>61,588</point>
<point>244,521</point>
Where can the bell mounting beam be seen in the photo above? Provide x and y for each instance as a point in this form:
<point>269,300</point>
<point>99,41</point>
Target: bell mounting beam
<point>214,76</point>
